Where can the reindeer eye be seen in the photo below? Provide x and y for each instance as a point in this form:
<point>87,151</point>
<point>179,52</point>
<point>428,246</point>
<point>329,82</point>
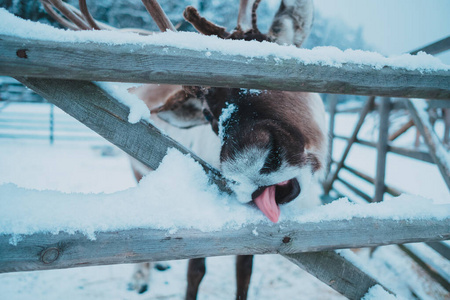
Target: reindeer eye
<point>208,115</point>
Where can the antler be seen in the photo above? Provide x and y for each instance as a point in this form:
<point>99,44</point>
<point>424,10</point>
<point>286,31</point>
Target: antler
<point>208,28</point>
<point>254,16</point>
<point>87,14</point>
<point>202,25</point>
<point>158,15</point>
<point>242,22</point>
<point>72,18</point>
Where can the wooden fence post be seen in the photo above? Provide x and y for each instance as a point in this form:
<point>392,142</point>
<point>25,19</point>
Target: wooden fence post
<point>332,104</point>
<point>382,148</point>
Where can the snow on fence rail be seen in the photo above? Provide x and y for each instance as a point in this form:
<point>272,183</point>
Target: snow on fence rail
<point>31,49</point>
<point>43,251</point>
<point>154,221</point>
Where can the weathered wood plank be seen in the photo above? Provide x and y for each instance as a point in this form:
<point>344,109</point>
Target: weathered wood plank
<point>42,251</point>
<point>99,111</point>
<point>431,140</point>
<point>165,64</point>
<point>382,148</point>
<point>336,272</point>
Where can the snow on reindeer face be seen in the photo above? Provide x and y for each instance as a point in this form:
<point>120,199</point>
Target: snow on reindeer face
<point>272,144</point>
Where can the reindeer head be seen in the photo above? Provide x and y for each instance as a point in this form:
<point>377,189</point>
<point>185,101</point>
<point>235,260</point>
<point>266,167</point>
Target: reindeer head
<point>273,142</point>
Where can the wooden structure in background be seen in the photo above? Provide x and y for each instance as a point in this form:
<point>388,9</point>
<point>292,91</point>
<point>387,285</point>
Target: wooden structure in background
<point>384,145</point>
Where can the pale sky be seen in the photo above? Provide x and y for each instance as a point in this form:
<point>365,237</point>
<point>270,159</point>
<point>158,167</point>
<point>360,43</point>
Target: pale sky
<point>394,26</point>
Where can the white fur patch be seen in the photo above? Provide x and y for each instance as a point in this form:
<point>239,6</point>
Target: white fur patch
<point>226,114</point>
<point>245,171</point>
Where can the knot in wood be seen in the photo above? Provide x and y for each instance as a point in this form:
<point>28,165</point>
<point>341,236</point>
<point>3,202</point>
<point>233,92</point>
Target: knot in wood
<point>286,239</point>
<point>22,53</point>
<point>49,255</point>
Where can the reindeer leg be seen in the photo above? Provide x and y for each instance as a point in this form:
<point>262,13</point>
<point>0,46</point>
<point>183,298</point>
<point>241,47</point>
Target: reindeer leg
<point>196,271</point>
<point>140,279</point>
<point>244,265</point>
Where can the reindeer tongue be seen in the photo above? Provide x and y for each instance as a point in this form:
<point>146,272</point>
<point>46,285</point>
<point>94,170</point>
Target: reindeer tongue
<point>266,203</point>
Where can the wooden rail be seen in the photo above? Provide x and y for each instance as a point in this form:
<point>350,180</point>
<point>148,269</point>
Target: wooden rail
<point>411,153</point>
<point>42,251</point>
<point>148,63</point>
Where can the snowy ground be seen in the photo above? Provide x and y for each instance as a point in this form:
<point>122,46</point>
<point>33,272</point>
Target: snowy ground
<point>81,162</point>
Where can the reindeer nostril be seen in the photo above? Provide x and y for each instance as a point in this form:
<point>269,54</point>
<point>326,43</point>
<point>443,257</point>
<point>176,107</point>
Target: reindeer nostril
<point>273,160</point>
<point>288,192</point>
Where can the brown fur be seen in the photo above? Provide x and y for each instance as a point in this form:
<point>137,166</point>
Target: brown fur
<point>271,116</point>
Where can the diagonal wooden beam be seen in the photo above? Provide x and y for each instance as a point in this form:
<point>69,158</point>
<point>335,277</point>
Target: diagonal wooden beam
<point>337,272</point>
<point>104,114</point>
<point>401,130</point>
<point>436,47</point>
<point>437,151</point>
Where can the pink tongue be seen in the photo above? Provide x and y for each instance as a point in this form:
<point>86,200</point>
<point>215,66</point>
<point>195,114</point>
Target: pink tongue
<point>266,203</point>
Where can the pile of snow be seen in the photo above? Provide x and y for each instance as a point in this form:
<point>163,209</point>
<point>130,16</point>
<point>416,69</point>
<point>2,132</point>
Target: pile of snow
<point>177,195</point>
<point>326,56</point>
<point>138,109</point>
<point>377,292</point>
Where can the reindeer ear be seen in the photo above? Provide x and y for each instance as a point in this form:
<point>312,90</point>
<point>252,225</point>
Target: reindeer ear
<point>182,110</point>
<point>292,23</point>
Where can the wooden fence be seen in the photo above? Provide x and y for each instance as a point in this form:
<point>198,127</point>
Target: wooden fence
<point>32,62</point>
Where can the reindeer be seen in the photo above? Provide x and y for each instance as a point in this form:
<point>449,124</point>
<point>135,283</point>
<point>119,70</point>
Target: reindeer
<point>271,144</point>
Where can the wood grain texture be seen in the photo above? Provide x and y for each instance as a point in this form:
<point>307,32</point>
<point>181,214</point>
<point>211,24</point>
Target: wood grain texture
<point>164,64</point>
<point>99,111</point>
<point>336,272</point>
<point>43,251</point>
